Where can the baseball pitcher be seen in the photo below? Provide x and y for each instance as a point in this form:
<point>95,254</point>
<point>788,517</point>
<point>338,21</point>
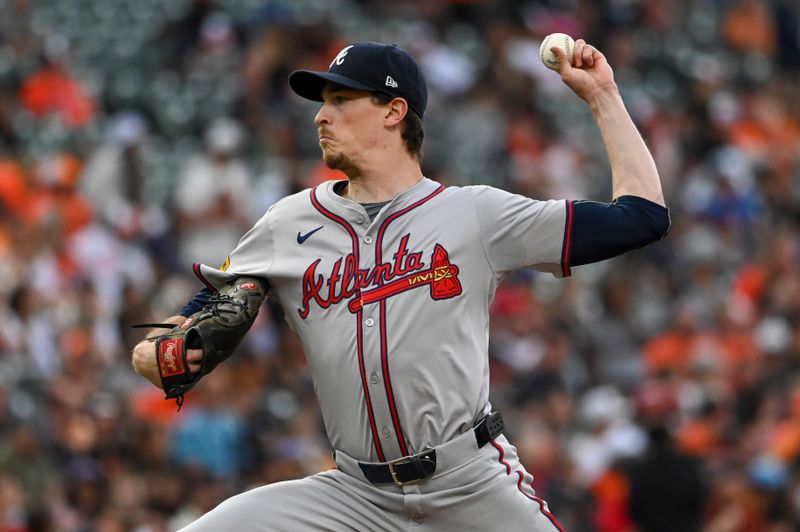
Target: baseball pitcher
<point>387,278</point>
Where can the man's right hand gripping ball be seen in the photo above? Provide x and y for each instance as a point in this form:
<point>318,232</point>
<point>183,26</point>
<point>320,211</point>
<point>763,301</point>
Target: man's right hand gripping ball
<point>178,359</point>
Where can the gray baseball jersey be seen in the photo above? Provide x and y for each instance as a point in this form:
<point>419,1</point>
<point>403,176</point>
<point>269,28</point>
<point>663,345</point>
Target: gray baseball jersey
<point>393,313</point>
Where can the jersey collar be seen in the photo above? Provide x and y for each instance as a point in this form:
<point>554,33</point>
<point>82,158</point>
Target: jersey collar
<point>349,208</point>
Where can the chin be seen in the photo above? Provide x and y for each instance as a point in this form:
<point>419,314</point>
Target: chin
<point>339,161</point>
<point>334,161</point>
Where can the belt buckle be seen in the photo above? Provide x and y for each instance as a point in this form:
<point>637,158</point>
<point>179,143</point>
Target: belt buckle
<point>403,460</point>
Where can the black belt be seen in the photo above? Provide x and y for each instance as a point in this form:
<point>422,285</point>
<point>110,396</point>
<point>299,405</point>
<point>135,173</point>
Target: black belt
<point>411,469</point>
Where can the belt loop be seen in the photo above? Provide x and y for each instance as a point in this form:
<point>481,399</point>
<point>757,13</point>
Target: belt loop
<point>489,428</point>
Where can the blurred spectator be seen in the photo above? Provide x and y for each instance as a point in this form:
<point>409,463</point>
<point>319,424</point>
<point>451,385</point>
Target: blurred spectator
<point>57,199</point>
<point>27,334</point>
<point>115,178</point>
<point>211,435</point>
<point>609,434</point>
<point>749,26</point>
<point>212,195</point>
<point>25,459</point>
<point>15,188</point>
<point>52,91</point>
<point>202,27</point>
<point>667,491</point>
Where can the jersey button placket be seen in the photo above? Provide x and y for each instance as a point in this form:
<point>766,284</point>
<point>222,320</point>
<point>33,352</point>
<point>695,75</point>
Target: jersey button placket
<point>372,366</point>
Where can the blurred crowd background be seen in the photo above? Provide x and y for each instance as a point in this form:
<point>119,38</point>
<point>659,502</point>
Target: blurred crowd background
<point>656,391</point>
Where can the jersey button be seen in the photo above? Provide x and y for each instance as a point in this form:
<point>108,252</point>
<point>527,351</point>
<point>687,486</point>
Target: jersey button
<point>373,378</point>
<point>386,433</point>
<point>360,220</point>
<point>368,239</point>
<point>369,322</point>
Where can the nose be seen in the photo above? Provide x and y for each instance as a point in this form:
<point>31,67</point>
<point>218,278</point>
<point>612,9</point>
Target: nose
<point>322,115</point>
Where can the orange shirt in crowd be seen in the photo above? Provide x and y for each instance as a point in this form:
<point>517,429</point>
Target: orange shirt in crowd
<point>14,189</point>
<point>669,351</point>
<point>611,494</point>
<point>697,437</point>
<point>750,26</point>
<point>321,173</point>
<point>61,195</point>
<point>34,205</point>
<point>52,91</point>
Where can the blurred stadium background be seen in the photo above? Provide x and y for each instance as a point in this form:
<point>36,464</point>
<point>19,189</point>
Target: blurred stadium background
<point>658,391</point>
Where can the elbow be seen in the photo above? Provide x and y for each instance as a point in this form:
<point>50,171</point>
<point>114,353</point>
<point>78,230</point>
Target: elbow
<point>652,221</point>
<point>660,224</point>
<point>650,229</point>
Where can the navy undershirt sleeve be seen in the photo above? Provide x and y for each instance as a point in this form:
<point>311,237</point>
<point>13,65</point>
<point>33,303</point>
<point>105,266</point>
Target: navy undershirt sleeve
<point>199,301</point>
<point>603,230</point>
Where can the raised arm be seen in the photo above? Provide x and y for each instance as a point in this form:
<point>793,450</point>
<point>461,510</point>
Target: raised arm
<point>590,76</point>
<point>638,214</point>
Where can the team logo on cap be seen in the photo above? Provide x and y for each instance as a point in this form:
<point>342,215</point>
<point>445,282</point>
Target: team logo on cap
<point>339,59</point>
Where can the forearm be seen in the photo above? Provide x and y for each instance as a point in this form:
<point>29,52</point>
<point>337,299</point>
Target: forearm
<point>633,170</point>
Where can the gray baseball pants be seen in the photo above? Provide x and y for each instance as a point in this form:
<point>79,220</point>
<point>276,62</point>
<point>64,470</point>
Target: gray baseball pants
<point>472,489</point>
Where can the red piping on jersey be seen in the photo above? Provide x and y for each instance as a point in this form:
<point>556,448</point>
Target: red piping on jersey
<point>387,380</point>
<point>359,327</point>
<point>521,476</point>
<point>199,275</point>
<point>565,253</point>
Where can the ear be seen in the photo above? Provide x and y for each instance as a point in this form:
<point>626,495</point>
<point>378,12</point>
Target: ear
<point>396,111</point>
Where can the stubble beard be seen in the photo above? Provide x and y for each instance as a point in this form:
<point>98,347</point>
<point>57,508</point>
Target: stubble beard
<point>340,161</point>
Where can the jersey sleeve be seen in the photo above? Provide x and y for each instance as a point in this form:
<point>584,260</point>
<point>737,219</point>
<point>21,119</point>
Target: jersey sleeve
<point>520,232</point>
<point>604,230</point>
<point>253,256</point>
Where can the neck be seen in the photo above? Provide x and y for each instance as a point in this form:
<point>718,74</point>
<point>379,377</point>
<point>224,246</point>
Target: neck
<point>382,183</point>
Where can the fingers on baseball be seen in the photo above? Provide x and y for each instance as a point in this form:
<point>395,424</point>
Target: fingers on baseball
<point>585,54</point>
<point>563,59</point>
<point>577,53</point>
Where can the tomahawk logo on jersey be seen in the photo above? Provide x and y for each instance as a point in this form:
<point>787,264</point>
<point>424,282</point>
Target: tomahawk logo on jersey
<point>386,279</point>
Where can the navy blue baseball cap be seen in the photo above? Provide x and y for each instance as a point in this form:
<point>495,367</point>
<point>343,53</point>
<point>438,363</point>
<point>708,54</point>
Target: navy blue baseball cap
<point>368,66</point>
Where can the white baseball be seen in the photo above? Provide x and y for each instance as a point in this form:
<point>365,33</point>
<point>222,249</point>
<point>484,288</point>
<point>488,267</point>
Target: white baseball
<point>559,40</point>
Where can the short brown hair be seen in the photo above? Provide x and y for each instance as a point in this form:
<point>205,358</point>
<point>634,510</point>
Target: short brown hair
<point>412,131</point>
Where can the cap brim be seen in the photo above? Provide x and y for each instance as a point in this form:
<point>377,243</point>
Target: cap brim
<point>309,84</point>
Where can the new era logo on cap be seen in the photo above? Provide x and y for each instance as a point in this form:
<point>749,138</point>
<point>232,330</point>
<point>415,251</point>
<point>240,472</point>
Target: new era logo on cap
<point>368,66</point>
